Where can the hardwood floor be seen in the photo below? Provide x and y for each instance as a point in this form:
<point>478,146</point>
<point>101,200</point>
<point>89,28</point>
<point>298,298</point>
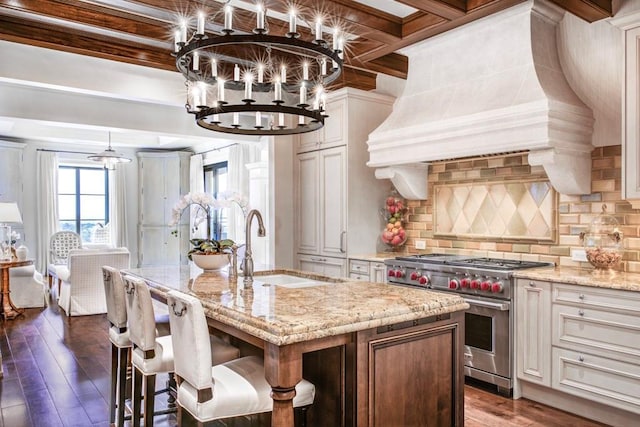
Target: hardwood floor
<point>56,373</point>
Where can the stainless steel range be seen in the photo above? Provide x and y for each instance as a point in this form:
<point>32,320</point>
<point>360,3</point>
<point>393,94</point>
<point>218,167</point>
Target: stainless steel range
<point>487,284</point>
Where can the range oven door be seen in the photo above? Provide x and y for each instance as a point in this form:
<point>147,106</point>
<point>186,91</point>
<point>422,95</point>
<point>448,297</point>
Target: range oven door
<point>488,340</point>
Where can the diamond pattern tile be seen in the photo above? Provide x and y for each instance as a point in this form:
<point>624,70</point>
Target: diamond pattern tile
<point>512,210</point>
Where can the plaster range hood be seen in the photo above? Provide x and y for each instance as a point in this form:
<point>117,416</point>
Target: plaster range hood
<point>491,86</point>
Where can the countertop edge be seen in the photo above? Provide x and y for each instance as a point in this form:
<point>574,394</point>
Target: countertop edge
<point>617,280</point>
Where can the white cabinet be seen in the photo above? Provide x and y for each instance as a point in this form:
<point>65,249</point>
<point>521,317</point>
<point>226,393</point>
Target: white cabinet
<point>377,272</point>
<point>369,271</point>
<point>325,266</point>
<point>337,197</point>
<point>322,202</point>
<point>163,178</point>
<point>596,345</point>
<point>580,341</point>
<point>631,117</point>
<point>533,331</point>
<point>331,134</point>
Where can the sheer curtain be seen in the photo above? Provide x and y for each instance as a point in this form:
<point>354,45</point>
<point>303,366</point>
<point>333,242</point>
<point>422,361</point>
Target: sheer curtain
<point>118,207</point>
<point>196,184</point>
<point>46,204</point>
<point>239,156</point>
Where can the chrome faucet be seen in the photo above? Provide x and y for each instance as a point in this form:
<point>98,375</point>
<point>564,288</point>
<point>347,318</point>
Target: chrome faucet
<point>247,264</point>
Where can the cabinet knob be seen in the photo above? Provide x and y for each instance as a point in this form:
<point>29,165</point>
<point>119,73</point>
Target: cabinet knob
<point>581,358</point>
<point>581,296</point>
<point>532,284</point>
<point>581,312</point>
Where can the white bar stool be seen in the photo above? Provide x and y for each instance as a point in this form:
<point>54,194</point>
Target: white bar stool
<point>232,389</point>
<point>120,342</point>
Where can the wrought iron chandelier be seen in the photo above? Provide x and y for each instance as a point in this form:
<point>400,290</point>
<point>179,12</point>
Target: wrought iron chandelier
<point>255,83</point>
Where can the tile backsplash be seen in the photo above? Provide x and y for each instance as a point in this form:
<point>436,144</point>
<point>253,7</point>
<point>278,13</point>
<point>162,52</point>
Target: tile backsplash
<point>574,213</point>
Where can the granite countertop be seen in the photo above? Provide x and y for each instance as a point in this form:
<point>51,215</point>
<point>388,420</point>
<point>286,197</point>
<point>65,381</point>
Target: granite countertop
<point>285,315</point>
<point>584,276</point>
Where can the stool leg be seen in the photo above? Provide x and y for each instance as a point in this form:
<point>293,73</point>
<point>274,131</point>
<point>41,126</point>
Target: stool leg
<point>122,383</point>
<point>114,380</point>
<point>149,398</point>
<point>137,397</point>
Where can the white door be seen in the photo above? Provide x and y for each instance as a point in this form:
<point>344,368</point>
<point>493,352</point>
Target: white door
<point>333,191</point>
<point>533,331</point>
<point>308,203</point>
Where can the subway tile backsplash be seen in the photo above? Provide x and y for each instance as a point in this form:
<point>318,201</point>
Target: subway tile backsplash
<point>574,213</point>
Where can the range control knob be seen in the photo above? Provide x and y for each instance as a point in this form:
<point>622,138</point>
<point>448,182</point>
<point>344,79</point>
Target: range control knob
<point>465,282</point>
<point>399,274</point>
<point>475,284</point>
<point>391,273</point>
<point>497,287</point>
<point>453,284</point>
<point>485,286</point>
<point>415,275</point>
<point>423,280</point>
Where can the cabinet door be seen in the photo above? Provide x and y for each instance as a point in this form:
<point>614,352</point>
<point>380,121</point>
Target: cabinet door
<point>153,245</point>
<point>308,203</point>
<point>310,141</point>
<point>334,125</point>
<point>333,191</point>
<point>631,127</point>
<point>533,331</point>
<point>378,272</point>
<point>153,194</point>
<point>326,266</point>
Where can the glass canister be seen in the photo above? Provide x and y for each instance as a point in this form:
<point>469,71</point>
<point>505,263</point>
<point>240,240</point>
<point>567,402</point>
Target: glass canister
<point>394,234</point>
<point>603,241</point>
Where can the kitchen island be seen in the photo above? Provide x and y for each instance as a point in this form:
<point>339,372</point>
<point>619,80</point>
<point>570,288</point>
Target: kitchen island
<point>402,348</point>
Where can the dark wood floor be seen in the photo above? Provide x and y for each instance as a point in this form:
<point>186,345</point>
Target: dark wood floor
<point>56,373</point>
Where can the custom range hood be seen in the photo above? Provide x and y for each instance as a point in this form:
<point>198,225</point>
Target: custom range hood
<point>492,86</point>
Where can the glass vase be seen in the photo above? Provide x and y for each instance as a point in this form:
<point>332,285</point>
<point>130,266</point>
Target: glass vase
<point>5,243</point>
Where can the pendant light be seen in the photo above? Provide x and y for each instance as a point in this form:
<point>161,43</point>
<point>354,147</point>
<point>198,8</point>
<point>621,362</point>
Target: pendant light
<point>109,157</point>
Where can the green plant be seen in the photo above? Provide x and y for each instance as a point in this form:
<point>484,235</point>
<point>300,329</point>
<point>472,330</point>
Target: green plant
<point>210,247</point>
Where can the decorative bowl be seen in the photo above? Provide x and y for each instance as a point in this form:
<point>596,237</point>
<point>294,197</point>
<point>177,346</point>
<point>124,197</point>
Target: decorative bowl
<point>211,262</point>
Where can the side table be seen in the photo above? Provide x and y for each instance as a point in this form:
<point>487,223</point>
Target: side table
<point>9,310</point>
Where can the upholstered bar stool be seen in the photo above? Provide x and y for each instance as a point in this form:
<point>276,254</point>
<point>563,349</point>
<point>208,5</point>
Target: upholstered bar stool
<point>232,389</point>
<point>120,342</point>
<point>153,355</point>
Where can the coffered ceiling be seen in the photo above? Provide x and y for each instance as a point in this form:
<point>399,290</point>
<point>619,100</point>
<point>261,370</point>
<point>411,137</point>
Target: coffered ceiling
<point>141,31</point>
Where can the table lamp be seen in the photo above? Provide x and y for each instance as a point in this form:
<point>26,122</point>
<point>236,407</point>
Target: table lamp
<point>9,212</point>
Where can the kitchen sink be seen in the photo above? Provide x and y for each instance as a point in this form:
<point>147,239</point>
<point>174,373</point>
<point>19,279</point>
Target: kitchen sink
<point>287,281</point>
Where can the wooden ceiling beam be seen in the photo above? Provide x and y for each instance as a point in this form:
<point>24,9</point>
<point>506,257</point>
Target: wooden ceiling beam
<point>447,9</point>
<point>589,10</point>
<point>354,18</point>
<point>62,39</point>
<point>416,32</point>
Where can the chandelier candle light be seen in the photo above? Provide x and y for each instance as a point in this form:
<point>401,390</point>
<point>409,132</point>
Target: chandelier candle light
<point>231,75</point>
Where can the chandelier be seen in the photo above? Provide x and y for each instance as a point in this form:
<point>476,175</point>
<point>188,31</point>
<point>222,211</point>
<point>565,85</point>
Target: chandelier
<point>109,157</point>
<point>256,83</point>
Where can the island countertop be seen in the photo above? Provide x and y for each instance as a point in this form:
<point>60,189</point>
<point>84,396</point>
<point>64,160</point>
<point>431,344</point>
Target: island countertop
<point>284,315</point>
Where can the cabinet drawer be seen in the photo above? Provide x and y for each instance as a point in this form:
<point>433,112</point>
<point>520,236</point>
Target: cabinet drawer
<point>605,299</point>
<point>361,277</point>
<point>359,266</point>
<point>597,331</point>
<point>604,380</point>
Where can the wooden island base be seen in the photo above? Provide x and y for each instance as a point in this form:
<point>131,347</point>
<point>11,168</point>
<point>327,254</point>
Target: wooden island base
<point>396,375</point>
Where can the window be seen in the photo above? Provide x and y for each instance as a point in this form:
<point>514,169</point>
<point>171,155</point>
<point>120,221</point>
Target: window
<point>215,182</point>
<point>83,202</point>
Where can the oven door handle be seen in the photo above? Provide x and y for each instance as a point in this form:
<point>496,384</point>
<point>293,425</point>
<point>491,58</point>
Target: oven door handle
<point>501,306</point>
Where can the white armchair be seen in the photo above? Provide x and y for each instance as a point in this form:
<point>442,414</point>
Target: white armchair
<point>27,287</point>
<point>82,290</point>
